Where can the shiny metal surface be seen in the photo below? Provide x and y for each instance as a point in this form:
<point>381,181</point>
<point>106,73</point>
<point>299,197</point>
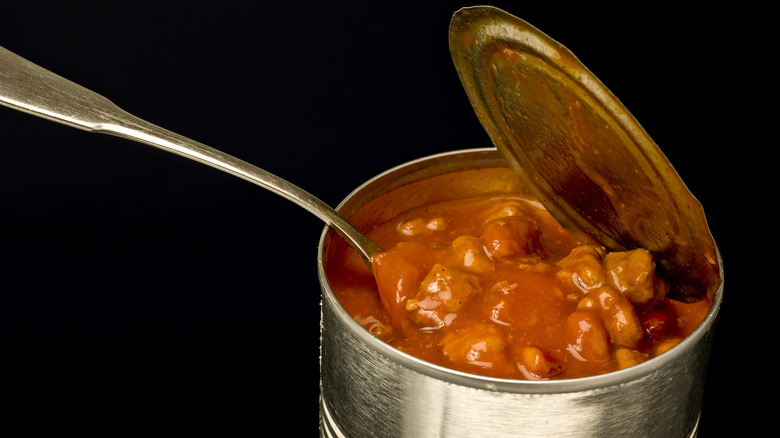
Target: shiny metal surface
<point>27,87</point>
<point>369,388</point>
<point>587,159</point>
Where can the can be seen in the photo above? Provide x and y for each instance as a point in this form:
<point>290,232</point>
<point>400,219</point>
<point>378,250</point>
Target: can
<point>370,389</point>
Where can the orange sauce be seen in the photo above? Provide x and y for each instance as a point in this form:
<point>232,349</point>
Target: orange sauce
<point>487,282</point>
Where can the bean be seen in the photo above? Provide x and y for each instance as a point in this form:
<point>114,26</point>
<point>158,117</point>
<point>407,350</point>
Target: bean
<point>512,236</point>
<point>534,364</point>
<point>586,336</point>
<point>658,323</point>
<point>620,318</point>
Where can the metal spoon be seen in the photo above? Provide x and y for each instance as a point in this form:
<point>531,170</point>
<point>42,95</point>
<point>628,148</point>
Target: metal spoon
<point>29,88</point>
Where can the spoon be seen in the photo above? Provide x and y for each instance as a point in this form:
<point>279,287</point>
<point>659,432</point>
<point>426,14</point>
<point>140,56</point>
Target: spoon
<point>26,87</point>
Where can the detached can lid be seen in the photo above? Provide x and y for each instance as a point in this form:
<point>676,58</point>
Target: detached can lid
<point>578,148</point>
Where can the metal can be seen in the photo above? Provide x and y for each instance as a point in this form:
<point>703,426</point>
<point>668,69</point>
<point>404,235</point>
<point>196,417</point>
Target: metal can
<point>369,388</point>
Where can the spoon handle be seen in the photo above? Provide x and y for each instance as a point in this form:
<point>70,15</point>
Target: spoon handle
<point>26,87</point>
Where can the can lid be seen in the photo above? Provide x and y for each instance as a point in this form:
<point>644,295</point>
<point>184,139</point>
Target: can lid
<point>579,149</point>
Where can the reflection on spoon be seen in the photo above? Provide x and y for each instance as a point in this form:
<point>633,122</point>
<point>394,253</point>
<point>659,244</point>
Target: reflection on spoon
<point>29,88</point>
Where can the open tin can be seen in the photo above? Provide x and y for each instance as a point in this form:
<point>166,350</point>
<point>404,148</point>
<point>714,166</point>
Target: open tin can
<point>554,125</point>
<point>369,388</point>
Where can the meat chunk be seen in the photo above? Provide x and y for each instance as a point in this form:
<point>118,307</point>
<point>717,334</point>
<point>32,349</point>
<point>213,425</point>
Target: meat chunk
<point>618,315</point>
<point>442,293</point>
<point>470,255</point>
<point>583,268</point>
<point>481,345</point>
<point>633,274</point>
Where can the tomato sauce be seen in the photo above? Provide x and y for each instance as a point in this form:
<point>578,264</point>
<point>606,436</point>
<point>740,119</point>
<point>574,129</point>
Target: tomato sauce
<point>487,282</point>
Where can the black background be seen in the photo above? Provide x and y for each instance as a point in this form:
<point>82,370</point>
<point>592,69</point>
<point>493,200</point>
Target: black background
<point>138,287</point>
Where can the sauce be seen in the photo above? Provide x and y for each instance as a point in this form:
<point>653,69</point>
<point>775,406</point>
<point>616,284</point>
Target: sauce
<point>484,280</point>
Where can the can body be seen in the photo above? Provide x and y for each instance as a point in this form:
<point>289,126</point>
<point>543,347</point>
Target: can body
<point>369,388</point>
